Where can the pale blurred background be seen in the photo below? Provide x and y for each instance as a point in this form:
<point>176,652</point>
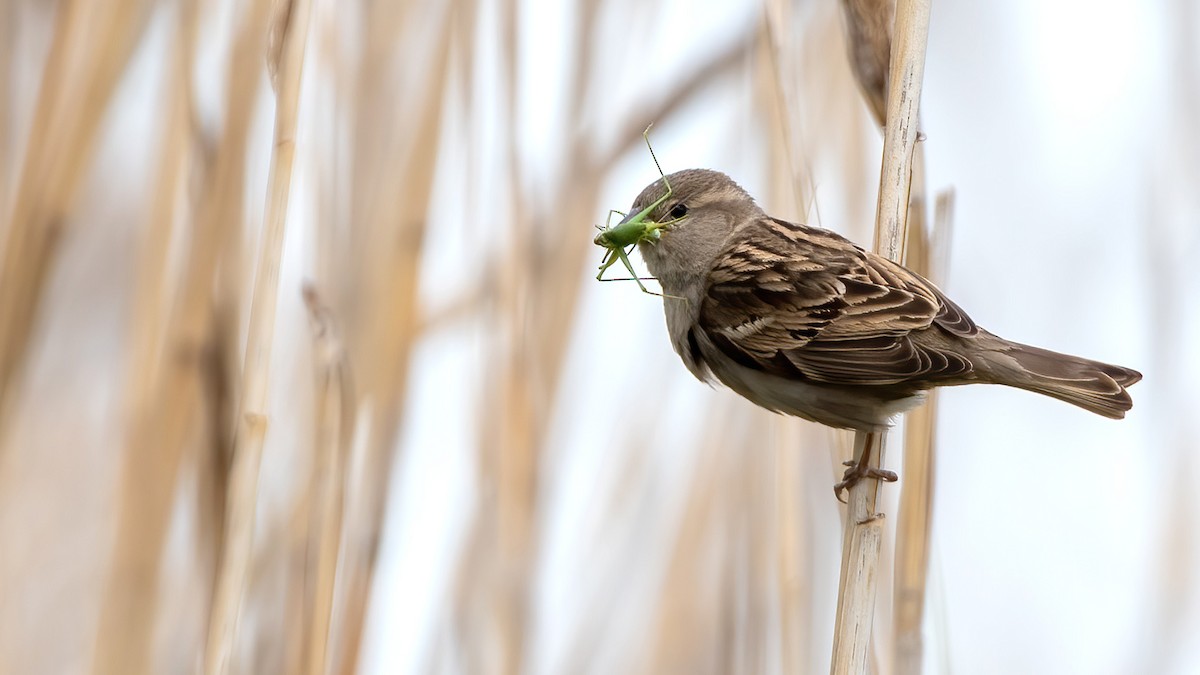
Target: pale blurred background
<point>532,481</point>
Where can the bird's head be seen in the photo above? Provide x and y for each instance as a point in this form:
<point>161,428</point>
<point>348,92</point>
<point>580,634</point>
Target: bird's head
<point>695,215</point>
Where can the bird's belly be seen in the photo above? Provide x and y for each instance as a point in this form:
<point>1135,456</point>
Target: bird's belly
<point>857,408</point>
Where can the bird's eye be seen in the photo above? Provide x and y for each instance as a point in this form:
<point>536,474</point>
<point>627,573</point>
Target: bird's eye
<point>678,211</point>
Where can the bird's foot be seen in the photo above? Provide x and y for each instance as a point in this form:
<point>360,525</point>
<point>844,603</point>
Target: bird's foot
<point>858,471</point>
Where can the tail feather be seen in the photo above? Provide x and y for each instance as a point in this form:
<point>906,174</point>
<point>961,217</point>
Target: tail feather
<point>1091,385</point>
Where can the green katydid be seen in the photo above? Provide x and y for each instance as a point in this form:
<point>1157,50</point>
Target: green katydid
<point>621,239</point>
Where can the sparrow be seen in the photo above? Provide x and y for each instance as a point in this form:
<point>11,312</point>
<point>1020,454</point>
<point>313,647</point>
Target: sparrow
<point>803,321</point>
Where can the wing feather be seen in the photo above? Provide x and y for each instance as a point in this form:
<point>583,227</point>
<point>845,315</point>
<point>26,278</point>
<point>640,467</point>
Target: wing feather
<point>803,302</point>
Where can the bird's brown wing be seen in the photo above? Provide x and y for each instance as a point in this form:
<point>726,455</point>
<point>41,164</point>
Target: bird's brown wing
<point>803,302</point>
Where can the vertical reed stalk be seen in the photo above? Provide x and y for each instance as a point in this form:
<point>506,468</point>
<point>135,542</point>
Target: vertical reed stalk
<point>916,494</point>
<point>164,427</point>
<point>9,12</point>
<point>391,229</point>
<point>291,29</point>
<point>92,44</point>
<point>334,431</point>
<point>864,526</point>
<point>868,23</point>
<point>127,622</point>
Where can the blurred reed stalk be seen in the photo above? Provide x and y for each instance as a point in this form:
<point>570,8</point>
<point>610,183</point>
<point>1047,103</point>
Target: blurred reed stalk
<point>92,43</point>
<point>864,525</point>
<point>333,434</point>
<point>791,578</point>
<point>1170,212</point>
<point>518,454</point>
<point>186,382</point>
<point>8,36</point>
<point>127,613</point>
<point>720,555</point>
<point>397,119</point>
<point>924,255</point>
<point>289,31</point>
<point>869,37</point>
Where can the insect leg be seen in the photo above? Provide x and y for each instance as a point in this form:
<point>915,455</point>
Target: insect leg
<point>624,256</point>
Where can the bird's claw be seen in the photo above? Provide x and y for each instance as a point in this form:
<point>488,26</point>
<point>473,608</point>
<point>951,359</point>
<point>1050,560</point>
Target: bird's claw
<point>858,471</point>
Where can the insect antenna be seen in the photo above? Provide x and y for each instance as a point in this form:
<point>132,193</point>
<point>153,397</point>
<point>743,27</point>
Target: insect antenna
<point>646,135</point>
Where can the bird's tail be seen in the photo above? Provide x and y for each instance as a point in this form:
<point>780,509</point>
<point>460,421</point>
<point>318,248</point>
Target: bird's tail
<point>1091,385</point>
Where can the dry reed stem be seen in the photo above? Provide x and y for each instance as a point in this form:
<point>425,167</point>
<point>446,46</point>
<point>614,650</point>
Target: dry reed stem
<point>291,27</point>
<point>489,615</point>
<point>863,536</point>
<point>782,105</point>
<point>781,110</point>
<point>211,301</point>
<point>868,29</point>
<point>519,454</point>
<point>683,643</point>
<point>715,602</point>
<point>334,432</point>
<point>791,608</point>
<point>916,494</point>
<point>476,596</point>
<point>130,651</point>
<point>163,429</point>
<point>584,651</point>
<point>752,585</point>
<point>92,43</point>
<point>320,508</point>
<point>393,226</point>
<point>860,566</point>
<point>1169,214</point>
<point>9,12</point>
<point>153,282</point>
<point>293,636</point>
